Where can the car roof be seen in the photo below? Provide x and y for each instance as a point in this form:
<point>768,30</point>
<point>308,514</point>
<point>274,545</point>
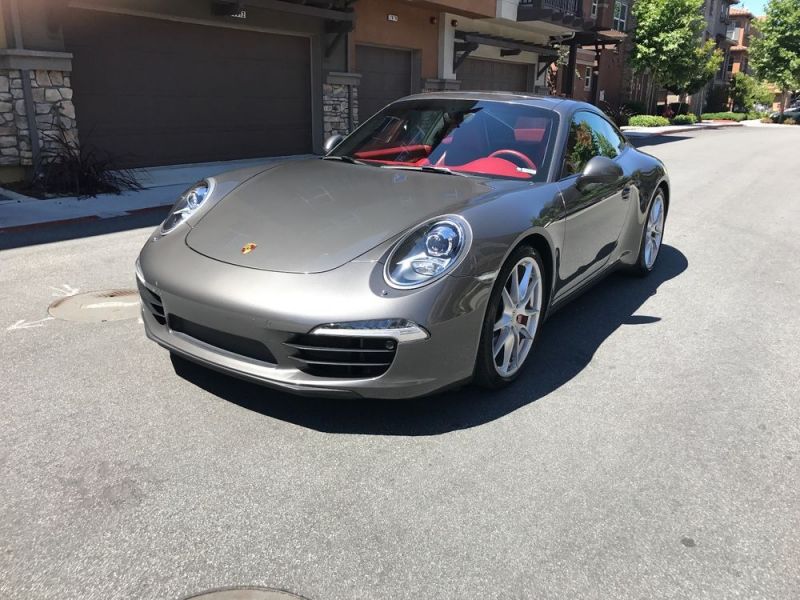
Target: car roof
<point>555,103</point>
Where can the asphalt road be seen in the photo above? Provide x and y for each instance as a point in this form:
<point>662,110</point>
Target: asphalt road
<point>652,450</point>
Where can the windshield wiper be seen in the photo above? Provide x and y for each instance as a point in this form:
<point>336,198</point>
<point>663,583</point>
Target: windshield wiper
<point>425,169</point>
<point>345,158</point>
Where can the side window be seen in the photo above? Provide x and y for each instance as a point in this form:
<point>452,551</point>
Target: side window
<point>610,133</point>
<point>589,135</point>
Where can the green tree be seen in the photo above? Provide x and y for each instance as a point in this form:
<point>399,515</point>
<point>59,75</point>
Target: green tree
<point>747,91</point>
<point>775,53</point>
<point>668,44</point>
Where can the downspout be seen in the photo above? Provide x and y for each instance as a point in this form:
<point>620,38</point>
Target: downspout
<point>349,66</point>
<point>595,83</point>
<point>27,93</point>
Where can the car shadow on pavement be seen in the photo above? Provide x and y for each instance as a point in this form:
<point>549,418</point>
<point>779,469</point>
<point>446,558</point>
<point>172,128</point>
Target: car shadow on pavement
<point>654,140</point>
<point>49,233</point>
<point>566,346</point>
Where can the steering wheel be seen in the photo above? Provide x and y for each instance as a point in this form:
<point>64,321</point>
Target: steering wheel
<point>516,154</point>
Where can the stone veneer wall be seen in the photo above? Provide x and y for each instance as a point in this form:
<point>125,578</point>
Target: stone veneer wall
<point>441,85</point>
<point>335,103</point>
<point>52,99</point>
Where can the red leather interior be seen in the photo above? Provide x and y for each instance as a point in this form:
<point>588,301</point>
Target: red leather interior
<point>414,149</point>
<point>491,166</point>
<point>529,135</point>
<point>417,155</point>
<point>530,129</point>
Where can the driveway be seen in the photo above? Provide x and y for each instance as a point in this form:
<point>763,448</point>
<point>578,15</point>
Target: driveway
<point>651,451</point>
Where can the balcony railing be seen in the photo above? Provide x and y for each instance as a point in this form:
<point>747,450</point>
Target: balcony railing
<point>570,7</point>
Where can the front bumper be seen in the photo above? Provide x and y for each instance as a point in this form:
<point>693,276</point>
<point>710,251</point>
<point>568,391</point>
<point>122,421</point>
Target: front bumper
<point>273,308</point>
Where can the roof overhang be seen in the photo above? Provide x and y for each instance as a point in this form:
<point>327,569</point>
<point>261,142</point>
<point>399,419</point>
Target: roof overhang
<point>607,38</point>
<point>309,8</point>
<point>504,43</point>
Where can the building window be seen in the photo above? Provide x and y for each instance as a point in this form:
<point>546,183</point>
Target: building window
<point>594,8</point>
<point>587,79</point>
<point>621,15</point>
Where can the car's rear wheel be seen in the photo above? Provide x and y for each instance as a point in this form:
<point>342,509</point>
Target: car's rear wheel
<point>513,319</point>
<point>653,234</point>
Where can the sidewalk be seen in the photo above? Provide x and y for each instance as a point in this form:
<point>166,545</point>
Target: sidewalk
<point>670,129</point>
<point>162,186</point>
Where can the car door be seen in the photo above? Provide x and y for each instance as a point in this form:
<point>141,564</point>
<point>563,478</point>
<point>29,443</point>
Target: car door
<point>595,213</point>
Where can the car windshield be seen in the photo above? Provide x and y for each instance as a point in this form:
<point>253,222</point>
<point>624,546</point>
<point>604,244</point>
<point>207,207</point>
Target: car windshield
<point>486,138</point>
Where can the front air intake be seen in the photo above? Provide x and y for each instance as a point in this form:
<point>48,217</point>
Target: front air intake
<point>235,344</point>
<point>342,356</point>
<point>152,302</point>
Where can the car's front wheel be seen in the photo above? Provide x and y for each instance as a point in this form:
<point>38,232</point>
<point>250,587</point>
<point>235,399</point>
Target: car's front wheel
<point>513,319</point>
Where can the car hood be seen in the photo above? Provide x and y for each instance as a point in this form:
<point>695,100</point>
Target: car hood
<point>315,215</point>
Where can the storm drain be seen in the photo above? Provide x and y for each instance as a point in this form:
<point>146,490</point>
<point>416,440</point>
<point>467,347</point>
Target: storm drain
<point>246,594</point>
<point>97,307</point>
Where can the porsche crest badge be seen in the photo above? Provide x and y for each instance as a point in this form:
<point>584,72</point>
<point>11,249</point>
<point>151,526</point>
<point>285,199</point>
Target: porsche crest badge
<point>249,247</point>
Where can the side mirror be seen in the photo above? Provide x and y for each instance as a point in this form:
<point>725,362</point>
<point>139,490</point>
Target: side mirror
<point>332,142</point>
<point>599,169</point>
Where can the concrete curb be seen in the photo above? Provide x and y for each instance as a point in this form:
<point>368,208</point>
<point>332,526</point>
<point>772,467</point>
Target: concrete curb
<point>670,129</point>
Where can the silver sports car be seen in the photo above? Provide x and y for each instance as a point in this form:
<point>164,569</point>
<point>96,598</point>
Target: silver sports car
<point>424,250</point>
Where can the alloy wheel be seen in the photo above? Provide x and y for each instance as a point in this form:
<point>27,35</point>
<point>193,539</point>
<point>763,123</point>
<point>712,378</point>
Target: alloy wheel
<point>517,317</point>
<point>654,231</point>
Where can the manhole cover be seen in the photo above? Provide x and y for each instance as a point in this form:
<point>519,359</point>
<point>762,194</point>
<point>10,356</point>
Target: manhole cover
<point>246,594</point>
<point>97,307</point>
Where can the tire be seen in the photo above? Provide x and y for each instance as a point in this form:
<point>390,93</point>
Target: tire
<point>652,235</point>
<point>512,318</point>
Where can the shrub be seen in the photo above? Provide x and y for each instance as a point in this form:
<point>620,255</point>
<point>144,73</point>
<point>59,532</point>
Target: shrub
<point>635,107</point>
<point>724,116</point>
<point>767,120</point>
<point>619,113</point>
<point>747,91</point>
<point>647,121</point>
<point>684,120</point>
<point>66,168</point>
<point>789,121</point>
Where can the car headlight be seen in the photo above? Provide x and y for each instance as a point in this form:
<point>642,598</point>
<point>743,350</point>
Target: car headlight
<point>428,253</point>
<point>187,204</point>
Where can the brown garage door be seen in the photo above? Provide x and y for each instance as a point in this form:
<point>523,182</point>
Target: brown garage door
<point>156,92</point>
<point>477,74</point>
<point>385,76</point>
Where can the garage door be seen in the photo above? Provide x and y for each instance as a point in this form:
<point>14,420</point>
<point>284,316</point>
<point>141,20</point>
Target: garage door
<point>154,92</point>
<point>385,76</point>
<point>477,74</point>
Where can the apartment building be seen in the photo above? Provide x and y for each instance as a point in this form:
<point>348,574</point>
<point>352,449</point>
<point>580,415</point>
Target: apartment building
<point>740,33</point>
<point>714,95</point>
